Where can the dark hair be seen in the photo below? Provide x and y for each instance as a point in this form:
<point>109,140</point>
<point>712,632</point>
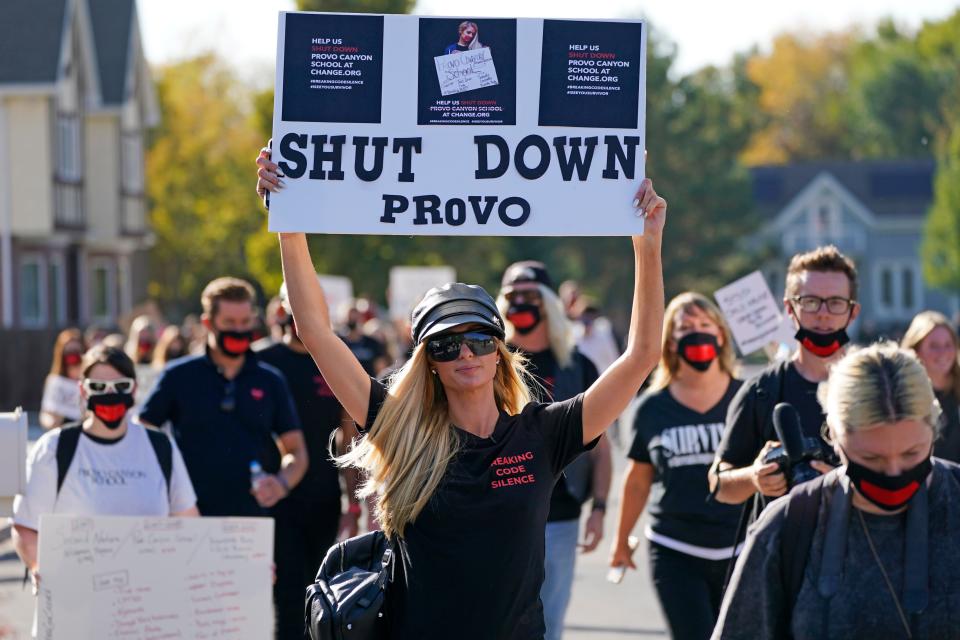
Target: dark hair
<point>826,259</point>
<point>225,288</point>
<point>64,338</point>
<point>111,356</point>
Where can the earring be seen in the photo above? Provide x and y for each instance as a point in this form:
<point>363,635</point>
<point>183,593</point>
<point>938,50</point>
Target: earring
<point>433,371</point>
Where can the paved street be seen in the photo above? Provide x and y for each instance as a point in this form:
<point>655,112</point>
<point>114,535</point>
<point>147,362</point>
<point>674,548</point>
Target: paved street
<point>599,610</point>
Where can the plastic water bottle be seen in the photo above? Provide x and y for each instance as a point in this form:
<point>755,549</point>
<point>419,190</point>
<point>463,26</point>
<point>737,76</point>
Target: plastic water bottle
<point>257,474</point>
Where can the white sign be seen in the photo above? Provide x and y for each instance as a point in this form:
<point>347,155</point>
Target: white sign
<point>126,577</point>
<point>379,129</point>
<point>408,284</point>
<point>338,290</point>
<point>13,458</point>
<point>464,71</point>
<point>61,395</point>
<point>752,313</point>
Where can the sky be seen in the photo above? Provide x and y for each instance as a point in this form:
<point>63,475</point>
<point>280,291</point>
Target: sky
<point>245,31</point>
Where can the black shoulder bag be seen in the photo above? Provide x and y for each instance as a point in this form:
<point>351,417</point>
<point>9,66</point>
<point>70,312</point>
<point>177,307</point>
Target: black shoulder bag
<point>347,598</point>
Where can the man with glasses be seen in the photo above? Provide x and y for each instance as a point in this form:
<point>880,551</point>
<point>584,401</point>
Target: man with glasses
<point>537,325</point>
<point>821,299</point>
<point>227,410</point>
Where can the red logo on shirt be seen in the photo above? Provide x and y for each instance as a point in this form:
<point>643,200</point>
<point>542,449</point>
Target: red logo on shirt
<point>256,394</point>
<point>511,471</point>
<point>323,389</point>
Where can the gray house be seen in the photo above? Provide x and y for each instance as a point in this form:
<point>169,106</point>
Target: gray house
<point>873,211</point>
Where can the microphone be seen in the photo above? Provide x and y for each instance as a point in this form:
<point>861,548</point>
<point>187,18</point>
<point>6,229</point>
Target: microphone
<point>786,422</point>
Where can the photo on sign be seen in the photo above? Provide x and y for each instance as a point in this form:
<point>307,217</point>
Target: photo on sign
<point>590,74</point>
<point>333,68</point>
<point>467,71</point>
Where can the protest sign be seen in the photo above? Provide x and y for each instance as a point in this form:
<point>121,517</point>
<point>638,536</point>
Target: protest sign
<point>13,458</point>
<point>128,577</point>
<point>408,284</point>
<point>513,126</point>
<point>752,313</point>
<point>338,291</point>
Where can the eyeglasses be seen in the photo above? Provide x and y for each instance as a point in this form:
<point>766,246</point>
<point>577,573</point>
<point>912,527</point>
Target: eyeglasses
<point>100,387</point>
<point>447,348</point>
<point>835,305</point>
<point>229,402</point>
<point>523,296</point>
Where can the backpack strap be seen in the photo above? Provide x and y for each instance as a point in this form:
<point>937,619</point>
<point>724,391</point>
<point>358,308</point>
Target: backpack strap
<point>66,449</point>
<point>164,451</point>
<point>796,536</point>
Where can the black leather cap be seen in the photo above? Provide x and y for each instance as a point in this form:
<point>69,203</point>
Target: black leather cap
<point>454,304</point>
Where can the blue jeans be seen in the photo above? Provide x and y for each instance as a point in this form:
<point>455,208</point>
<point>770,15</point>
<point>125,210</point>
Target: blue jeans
<point>559,559</point>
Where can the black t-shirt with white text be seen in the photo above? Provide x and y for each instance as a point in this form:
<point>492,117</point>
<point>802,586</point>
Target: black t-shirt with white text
<point>319,412</point>
<point>680,443</point>
<point>476,551</point>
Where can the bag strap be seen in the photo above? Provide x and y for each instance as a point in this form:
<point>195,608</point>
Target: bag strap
<point>796,537</point>
<point>66,449</point>
<point>164,452</point>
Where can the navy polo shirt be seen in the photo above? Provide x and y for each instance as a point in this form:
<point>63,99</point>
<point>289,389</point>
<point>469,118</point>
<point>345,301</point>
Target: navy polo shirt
<point>222,425</point>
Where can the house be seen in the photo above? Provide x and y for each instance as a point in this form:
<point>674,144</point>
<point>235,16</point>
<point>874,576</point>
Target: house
<point>873,211</point>
<point>76,99</point>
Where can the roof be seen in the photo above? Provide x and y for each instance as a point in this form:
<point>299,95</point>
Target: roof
<point>112,30</point>
<point>31,34</point>
<point>885,187</point>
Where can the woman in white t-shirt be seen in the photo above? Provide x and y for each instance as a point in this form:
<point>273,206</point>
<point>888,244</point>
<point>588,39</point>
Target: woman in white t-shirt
<point>116,466</point>
<point>61,391</point>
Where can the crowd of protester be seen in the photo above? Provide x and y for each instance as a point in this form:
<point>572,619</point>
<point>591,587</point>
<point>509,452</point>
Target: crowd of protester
<point>241,413</point>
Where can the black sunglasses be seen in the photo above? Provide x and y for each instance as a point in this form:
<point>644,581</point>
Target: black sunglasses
<point>447,348</point>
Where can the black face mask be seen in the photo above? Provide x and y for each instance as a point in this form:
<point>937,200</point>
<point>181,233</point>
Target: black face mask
<point>888,492</point>
<point>524,317</point>
<point>234,343</point>
<point>110,408</point>
<point>822,345</point>
<point>698,350</point>
<point>351,325</point>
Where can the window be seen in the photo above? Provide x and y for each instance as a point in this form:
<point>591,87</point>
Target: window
<point>57,291</point>
<point>886,287</point>
<point>32,293</point>
<point>102,292</point>
<point>68,147</point>
<point>906,289</point>
<point>132,163</point>
<point>898,289</point>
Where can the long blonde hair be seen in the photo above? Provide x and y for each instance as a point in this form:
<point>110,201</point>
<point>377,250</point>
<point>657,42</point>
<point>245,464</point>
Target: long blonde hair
<point>407,449</point>
<point>669,359</point>
<point>879,384</point>
<point>920,327</point>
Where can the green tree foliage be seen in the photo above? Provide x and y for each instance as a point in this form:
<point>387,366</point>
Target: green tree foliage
<point>941,243</point>
<point>357,6</point>
<point>199,181</point>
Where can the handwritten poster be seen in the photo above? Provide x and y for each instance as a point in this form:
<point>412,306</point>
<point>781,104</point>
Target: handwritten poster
<point>752,313</point>
<point>13,458</point>
<point>153,578</point>
<point>459,72</point>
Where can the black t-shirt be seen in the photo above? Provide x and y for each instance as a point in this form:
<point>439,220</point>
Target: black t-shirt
<point>367,350</point>
<point>746,432</point>
<point>545,368</point>
<point>475,552</point>
<point>680,443</point>
<point>947,445</point>
<point>222,425</point>
<point>320,414</point>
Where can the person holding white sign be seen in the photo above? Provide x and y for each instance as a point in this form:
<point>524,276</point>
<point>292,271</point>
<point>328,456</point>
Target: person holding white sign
<point>61,393</point>
<point>107,465</point>
<point>821,298</point>
<point>469,38</point>
<point>461,463</point>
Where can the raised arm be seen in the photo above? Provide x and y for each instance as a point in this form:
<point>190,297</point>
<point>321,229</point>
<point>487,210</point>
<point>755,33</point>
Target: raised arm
<point>340,368</point>
<point>608,396</point>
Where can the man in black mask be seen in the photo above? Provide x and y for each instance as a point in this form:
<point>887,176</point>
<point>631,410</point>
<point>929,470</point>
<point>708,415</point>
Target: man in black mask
<point>537,325</point>
<point>821,298</point>
<point>228,410</point>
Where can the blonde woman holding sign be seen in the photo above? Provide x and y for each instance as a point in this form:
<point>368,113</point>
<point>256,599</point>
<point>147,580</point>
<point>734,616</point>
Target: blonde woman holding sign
<point>459,460</point>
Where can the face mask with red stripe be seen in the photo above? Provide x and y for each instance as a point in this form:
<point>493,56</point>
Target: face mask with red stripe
<point>110,408</point>
<point>888,492</point>
<point>822,345</point>
<point>699,350</point>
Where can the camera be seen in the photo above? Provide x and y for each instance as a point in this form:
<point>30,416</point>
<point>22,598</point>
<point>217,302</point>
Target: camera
<point>795,452</point>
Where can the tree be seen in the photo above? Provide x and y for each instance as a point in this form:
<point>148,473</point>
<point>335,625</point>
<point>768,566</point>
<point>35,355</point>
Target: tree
<point>200,187</point>
<point>941,241</point>
<point>357,6</point>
